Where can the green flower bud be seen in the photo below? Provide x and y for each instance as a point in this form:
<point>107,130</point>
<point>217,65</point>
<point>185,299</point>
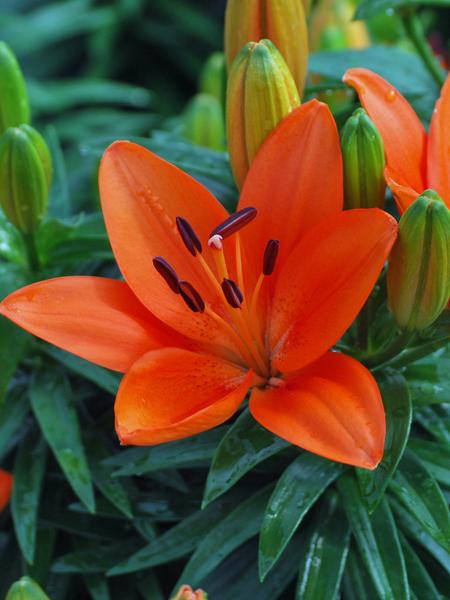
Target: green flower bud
<point>213,78</point>
<point>261,92</point>
<point>364,162</point>
<point>26,589</point>
<point>25,177</point>
<point>203,122</point>
<point>14,105</point>
<point>419,265</point>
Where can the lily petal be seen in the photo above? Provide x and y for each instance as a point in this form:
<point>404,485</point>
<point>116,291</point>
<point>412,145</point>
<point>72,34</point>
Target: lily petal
<point>402,132</point>
<point>325,282</point>
<point>96,318</point>
<point>172,394</point>
<point>404,195</point>
<point>6,482</point>
<point>141,197</point>
<point>294,182</point>
<point>439,146</point>
<point>332,408</point>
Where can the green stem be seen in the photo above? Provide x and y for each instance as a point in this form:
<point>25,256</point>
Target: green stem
<point>413,354</point>
<point>415,32</point>
<point>397,345</point>
<point>32,254</point>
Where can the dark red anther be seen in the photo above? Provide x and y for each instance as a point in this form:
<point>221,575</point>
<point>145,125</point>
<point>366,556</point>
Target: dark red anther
<point>188,235</point>
<point>232,293</point>
<point>235,222</point>
<point>191,296</point>
<point>270,256</point>
<point>167,273</point>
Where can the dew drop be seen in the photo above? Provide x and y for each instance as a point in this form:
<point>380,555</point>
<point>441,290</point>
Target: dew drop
<point>391,95</point>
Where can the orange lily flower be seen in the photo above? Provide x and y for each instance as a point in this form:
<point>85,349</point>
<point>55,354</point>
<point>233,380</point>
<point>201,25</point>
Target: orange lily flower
<point>6,482</point>
<point>415,161</point>
<point>214,305</point>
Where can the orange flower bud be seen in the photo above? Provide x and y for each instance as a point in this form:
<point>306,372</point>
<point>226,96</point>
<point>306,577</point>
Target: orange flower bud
<point>284,23</point>
<point>261,92</point>
<point>186,593</point>
<point>6,482</point>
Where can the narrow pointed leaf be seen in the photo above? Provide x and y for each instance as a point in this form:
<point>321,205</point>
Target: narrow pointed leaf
<point>296,491</point>
<point>436,420</point>
<point>356,583</point>
<point>228,534</point>
<point>377,540</point>
<point>13,413</point>
<point>52,405</point>
<point>97,586</point>
<point>421,583</point>
<point>29,471</point>
<point>322,567</point>
<point>397,406</point>
<point>428,379</point>
<point>244,445</point>
<point>421,495</point>
<point>435,457</point>
<point>13,345</point>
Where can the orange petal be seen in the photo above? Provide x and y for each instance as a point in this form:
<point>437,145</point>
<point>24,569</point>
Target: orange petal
<point>294,182</point>
<point>402,132</point>
<point>439,146</point>
<point>141,197</point>
<point>404,195</point>
<point>98,319</point>
<point>332,408</point>
<point>172,394</point>
<point>6,482</point>
<point>325,282</point>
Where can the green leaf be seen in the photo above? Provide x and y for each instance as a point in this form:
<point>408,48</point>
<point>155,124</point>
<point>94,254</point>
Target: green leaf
<point>428,379</point>
<point>59,201</point>
<point>244,445</point>
<point>323,564</point>
<point>377,540</point>
<point>228,534</point>
<point>13,413</point>
<point>414,530</point>
<point>436,420</point>
<point>356,583</point>
<point>296,491</point>
<point>174,455</point>
<point>12,248</point>
<point>397,406</point>
<point>420,581</point>
<point>179,540</point>
<point>369,8</point>
<point>29,471</point>
<point>435,457</point>
<point>52,405</point>
<point>45,542</point>
<point>97,587</point>
<point>93,557</point>
<point>104,379</point>
<point>420,493</point>
<point>13,345</point>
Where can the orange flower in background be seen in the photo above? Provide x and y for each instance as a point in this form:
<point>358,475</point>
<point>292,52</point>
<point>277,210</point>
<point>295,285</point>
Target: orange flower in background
<point>6,482</point>
<point>414,161</point>
<point>217,305</point>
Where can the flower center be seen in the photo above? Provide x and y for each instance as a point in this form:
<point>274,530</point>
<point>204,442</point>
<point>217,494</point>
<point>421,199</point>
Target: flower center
<point>241,323</point>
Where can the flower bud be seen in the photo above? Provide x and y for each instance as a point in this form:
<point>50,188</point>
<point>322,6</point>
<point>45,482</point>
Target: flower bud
<point>14,105</point>
<point>332,26</point>
<point>284,23</point>
<point>363,157</point>
<point>419,265</point>
<point>26,589</point>
<point>261,92</point>
<point>6,482</point>
<point>203,122</point>
<point>186,593</point>
<point>213,78</point>
<point>25,177</point>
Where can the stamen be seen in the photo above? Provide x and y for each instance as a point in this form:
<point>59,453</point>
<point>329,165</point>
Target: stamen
<point>190,295</point>
<point>276,382</point>
<point>189,237</point>
<point>167,273</point>
<point>270,256</point>
<point>216,241</point>
<point>232,293</point>
<point>235,222</point>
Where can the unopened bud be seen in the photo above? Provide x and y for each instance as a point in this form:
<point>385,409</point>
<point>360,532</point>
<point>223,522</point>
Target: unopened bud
<point>186,593</point>
<point>26,589</point>
<point>284,23</point>
<point>14,105</point>
<point>261,92</point>
<point>363,157</point>
<point>6,482</point>
<point>213,77</point>
<point>419,265</point>
<point>203,122</point>
<point>25,177</point>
